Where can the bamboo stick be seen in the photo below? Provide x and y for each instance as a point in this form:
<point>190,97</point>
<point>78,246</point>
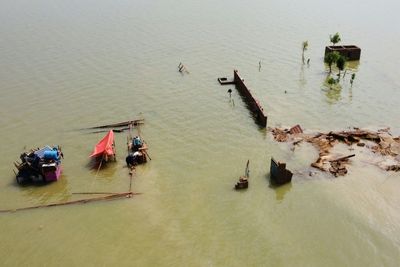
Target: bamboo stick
<point>94,193</point>
<point>83,201</point>
<point>119,124</point>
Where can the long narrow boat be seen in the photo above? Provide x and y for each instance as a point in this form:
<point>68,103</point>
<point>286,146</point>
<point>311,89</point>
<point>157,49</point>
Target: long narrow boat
<point>39,165</point>
<point>105,148</point>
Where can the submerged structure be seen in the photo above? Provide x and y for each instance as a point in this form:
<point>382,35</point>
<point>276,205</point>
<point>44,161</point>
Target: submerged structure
<point>279,174</point>
<point>252,103</point>
<point>351,52</point>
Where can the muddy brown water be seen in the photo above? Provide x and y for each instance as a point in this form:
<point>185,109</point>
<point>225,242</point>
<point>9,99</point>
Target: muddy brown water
<point>67,65</point>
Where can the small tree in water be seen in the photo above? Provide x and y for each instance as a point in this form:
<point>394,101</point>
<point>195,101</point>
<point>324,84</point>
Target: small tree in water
<point>304,46</point>
<point>352,79</point>
<point>335,38</point>
<point>340,64</point>
<point>331,58</point>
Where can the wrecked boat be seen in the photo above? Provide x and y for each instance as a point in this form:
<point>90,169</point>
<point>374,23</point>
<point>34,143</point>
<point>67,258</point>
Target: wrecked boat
<point>137,148</point>
<point>243,182</point>
<point>39,165</point>
<point>279,174</point>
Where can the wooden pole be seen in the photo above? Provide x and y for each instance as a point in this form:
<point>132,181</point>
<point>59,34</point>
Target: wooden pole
<point>145,151</point>
<point>247,170</point>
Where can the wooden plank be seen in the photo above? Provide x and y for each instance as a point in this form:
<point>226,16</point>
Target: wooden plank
<point>342,158</point>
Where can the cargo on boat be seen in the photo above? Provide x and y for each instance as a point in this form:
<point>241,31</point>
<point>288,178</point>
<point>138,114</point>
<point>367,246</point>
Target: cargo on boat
<point>39,165</point>
<point>137,151</point>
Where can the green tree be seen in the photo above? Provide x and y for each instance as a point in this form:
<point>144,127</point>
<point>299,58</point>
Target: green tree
<point>304,46</point>
<point>331,58</point>
<point>340,64</point>
<point>335,38</point>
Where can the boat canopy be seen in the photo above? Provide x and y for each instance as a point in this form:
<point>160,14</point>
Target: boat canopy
<point>105,146</point>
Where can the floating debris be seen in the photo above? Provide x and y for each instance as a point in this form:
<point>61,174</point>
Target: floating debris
<point>296,129</point>
<point>384,144</point>
<point>182,68</point>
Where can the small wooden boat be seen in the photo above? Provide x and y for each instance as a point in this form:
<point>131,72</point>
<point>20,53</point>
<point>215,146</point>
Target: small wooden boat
<point>105,148</point>
<point>39,165</point>
<point>279,174</point>
<point>243,180</point>
<point>137,149</point>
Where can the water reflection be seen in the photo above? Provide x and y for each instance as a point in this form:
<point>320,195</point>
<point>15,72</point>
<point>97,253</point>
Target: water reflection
<point>335,82</point>
<point>103,170</point>
<point>44,192</point>
<point>302,78</point>
<point>231,102</point>
<point>332,92</point>
<point>280,190</point>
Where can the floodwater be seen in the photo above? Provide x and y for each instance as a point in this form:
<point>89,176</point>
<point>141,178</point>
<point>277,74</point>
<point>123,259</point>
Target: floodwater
<point>67,65</point>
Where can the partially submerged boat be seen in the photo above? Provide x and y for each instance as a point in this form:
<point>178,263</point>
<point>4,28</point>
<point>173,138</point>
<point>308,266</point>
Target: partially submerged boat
<point>244,179</point>
<point>105,148</point>
<point>39,165</point>
<point>137,148</point>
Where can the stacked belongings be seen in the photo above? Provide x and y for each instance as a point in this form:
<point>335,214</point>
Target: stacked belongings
<point>39,166</point>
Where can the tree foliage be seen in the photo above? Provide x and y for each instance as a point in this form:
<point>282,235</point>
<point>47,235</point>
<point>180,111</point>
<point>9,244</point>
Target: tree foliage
<point>331,58</point>
<point>340,63</point>
<point>335,38</point>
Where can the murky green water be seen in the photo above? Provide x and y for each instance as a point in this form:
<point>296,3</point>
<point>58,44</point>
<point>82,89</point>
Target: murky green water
<point>66,65</point>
